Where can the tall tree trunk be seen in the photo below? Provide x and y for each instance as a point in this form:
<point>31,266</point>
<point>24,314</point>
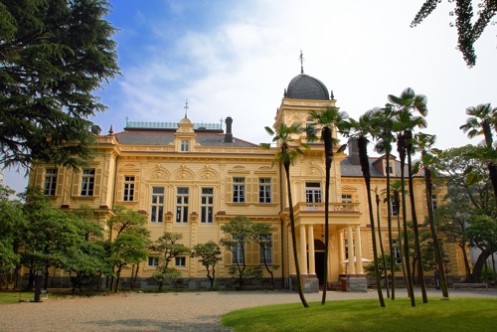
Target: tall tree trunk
<point>402,155</point>
<point>380,239</point>
<point>294,237</point>
<point>415,225</point>
<point>434,236</point>
<point>328,155</point>
<point>363,156</point>
<point>399,239</point>
<point>389,222</point>
<point>467,268</point>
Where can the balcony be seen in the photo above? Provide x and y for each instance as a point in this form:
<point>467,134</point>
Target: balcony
<point>333,207</point>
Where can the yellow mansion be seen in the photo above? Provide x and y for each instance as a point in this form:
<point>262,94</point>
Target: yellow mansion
<point>191,178</point>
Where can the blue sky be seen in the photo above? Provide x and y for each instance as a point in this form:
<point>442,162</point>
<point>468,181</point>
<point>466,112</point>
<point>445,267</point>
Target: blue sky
<point>235,58</point>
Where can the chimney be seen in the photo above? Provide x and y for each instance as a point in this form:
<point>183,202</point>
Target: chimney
<point>228,137</point>
<point>353,146</point>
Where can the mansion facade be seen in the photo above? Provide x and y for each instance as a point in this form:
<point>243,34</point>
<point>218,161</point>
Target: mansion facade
<point>192,178</point>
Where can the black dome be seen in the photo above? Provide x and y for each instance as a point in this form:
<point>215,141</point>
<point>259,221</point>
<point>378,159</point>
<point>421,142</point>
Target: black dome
<point>306,87</point>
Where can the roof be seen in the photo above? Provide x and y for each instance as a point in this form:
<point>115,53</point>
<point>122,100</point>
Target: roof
<point>165,137</point>
<point>306,87</point>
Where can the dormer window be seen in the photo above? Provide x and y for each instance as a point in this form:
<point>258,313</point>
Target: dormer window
<point>185,146</point>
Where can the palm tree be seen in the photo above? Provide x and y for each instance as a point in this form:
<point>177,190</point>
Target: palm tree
<point>286,137</point>
<point>385,118</point>
<point>482,120</point>
<point>329,118</point>
<point>362,129</point>
<point>424,143</point>
<point>405,104</point>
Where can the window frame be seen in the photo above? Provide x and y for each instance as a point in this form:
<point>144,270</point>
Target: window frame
<point>207,206</point>
<point>181,260</point>
<point>237,252</point>
<point>268,250</point>
<point>129,188</point>
<point>184,145</point>
<point>265,190</point>
<point>157,205</point>
<point>239,190</point>
<point>153,259</point>
<point>182,203</point>
<point>50,182</point>
<point>88,182</point>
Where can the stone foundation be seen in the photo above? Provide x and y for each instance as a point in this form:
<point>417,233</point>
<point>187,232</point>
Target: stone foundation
<point>310,283</point>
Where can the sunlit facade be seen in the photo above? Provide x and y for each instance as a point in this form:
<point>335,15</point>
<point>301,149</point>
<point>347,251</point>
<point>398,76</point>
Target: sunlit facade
<point>191,178</point>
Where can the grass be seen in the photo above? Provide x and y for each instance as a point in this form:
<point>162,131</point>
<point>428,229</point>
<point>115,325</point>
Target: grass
<point>16,297</point>
<point>461,314</point>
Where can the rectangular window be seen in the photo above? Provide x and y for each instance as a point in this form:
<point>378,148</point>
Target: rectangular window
<point>88,182</point>
<point>207,206</point>
<point>266,249</point>
<point>185,146</point>
<point>50,182</point>
<point>347,201</point>
<point>129,188</point>
<point>394,207</point>
<point>313,192</point>
<point>388,169</point>
<point>434,202</point>
<point>157,206</point>
<point>264,190</point>
<point>182,205</point>
<point>238,190</point>
<point>180,261</point>
<point>153,261</point>
<point>396,252</point>
<point>237,250</point>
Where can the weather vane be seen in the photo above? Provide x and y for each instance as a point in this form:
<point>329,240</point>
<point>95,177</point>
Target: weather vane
<point>186,108</point>
<point>301,58</point>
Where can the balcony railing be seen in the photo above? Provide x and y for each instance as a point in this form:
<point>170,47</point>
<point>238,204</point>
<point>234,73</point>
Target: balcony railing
<point>333,207</point>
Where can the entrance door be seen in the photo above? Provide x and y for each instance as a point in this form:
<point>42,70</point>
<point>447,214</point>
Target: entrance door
<point>319,260</point>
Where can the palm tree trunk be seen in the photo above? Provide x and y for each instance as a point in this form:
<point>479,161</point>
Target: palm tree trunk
<point>380,239</point>
<point>402,156</point>
<point>294,237</point>
<point>415,225</point>
<point>389,222</point>
<point>328,155</point>
<point>436,244</point>
<point>363,156</point>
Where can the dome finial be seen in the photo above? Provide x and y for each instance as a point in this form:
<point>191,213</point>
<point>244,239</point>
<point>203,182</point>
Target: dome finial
<point>186,108</point>
<point>301,58</point>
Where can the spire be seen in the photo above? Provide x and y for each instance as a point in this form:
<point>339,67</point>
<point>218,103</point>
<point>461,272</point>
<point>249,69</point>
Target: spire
<point>186,108</point>
<point>301,58</point>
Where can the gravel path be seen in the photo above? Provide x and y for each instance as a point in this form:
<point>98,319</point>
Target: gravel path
<point>160,312</point>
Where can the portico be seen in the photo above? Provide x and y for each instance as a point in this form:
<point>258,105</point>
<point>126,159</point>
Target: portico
<point>345,252</point>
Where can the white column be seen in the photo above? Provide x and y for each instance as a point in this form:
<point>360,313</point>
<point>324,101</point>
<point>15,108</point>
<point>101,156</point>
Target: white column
<point>358,249</point>
<point>350,246</point>
<point>303,250</point>
<point>291,260</point>
<point>310,241</point>
<point>342,252</point>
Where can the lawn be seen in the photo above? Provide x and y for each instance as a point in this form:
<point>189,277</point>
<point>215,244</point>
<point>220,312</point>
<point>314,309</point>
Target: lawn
<point>15,297</point>
<point>461,314</point>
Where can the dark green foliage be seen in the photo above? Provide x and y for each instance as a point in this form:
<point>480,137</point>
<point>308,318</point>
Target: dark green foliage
<point>129,245</point>
<point>209,254</point>
<point>467,31</point>
<point>53,56</point>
